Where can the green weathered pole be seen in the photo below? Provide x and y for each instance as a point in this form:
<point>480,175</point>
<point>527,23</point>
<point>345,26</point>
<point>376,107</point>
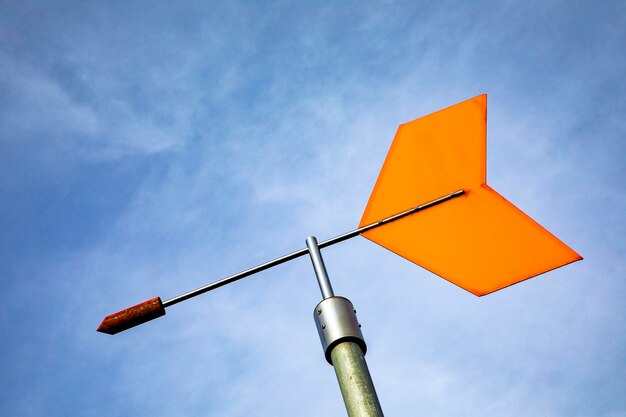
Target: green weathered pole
<point>343,343</point>
<point>355,381</point>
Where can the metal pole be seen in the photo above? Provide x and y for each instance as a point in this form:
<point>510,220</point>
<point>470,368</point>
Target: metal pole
<point>151,309</point>
<point>304,251</point>
<point>355,381</point>
<point>343,343</point>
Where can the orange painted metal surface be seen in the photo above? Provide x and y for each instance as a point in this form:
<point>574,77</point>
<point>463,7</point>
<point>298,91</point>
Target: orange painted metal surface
<point>480,241</point>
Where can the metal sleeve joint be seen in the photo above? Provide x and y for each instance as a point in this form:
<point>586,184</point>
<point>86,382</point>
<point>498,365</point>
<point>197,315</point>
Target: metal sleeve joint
<point>336,322</point>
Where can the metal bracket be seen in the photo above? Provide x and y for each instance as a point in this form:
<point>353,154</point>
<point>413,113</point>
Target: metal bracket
<point>336,322</point>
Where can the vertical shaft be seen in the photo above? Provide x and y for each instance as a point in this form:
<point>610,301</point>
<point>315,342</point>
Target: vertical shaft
<point>355,381</point>
<point>340,334</point>
<point>320,269</point>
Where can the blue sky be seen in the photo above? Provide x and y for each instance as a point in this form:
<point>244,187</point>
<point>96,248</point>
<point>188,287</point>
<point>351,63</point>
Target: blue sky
<point>147,148</point>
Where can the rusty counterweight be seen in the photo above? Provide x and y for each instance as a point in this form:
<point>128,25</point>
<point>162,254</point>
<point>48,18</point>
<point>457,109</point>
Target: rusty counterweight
<point>132,316</point>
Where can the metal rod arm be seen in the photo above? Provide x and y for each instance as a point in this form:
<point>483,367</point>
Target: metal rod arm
<point>304,251</point>
<point>235,277</point>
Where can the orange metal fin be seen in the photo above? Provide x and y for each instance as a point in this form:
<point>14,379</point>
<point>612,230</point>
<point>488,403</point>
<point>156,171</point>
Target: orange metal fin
<point>480,241</point>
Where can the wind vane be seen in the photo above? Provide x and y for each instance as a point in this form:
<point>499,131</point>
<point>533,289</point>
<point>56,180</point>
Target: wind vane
<point>477,240</point>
